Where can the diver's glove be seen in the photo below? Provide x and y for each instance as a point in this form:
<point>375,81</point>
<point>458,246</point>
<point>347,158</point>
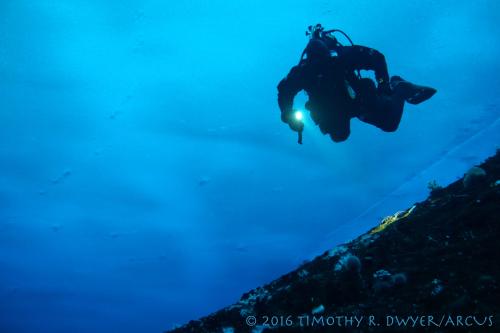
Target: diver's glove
<point>295,124</point>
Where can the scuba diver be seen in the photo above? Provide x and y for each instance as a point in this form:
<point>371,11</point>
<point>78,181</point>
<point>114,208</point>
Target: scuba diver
<point>329,72</point>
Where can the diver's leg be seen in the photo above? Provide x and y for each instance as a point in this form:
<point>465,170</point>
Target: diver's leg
<point>412,93</point>
<point>385,113</point>
<point>379,109</point>
<point>386,110</point>
<point>391,108</point>
<point>362,57</point>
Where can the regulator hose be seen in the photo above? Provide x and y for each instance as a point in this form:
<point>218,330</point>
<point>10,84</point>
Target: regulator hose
<point>343,33</point>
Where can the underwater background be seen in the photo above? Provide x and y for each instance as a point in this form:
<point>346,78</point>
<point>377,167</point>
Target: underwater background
<point>146,178</point>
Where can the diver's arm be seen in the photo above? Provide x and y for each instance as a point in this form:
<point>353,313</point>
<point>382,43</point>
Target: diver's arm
<point>360,57</point>
<point>287,89</point>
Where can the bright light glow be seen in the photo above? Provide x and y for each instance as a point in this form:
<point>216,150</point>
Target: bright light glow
<point>299,115</point>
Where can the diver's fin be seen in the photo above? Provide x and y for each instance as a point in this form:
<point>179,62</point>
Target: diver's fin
<point>412,93</point>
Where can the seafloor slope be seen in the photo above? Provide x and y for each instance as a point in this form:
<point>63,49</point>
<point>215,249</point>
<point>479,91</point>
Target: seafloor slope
<point>439,258</point>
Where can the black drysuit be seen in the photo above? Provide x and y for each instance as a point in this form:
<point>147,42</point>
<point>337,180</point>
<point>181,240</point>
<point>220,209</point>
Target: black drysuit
<point>337,94</point>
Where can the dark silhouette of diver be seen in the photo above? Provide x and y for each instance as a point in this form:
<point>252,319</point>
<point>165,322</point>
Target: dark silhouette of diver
<point>329,73</point>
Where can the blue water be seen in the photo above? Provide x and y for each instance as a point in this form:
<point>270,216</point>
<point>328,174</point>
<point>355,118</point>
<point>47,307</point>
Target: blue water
<point>146,178</point>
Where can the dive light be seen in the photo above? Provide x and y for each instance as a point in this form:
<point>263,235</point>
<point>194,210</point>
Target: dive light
<point>298,115</point>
